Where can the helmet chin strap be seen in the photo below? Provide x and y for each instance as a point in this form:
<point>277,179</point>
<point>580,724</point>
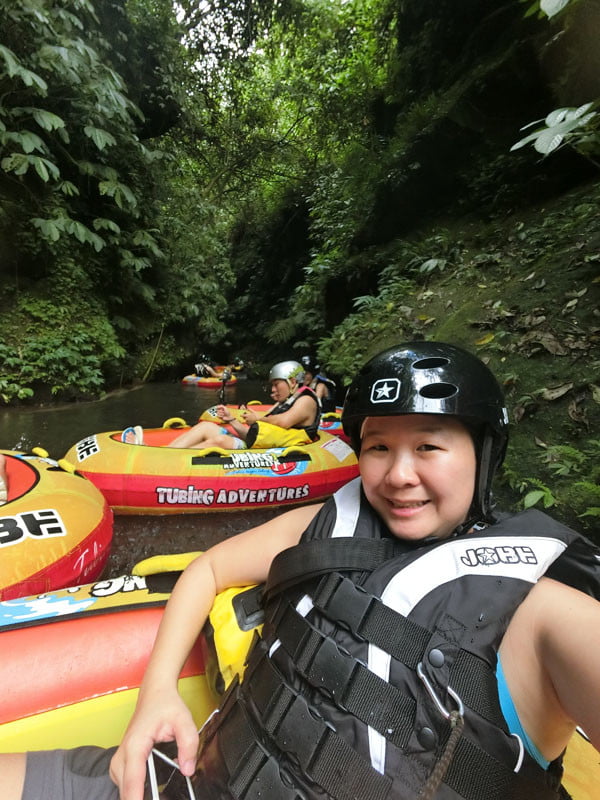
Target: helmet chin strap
<point>481,506</point>
<point>460,530</point>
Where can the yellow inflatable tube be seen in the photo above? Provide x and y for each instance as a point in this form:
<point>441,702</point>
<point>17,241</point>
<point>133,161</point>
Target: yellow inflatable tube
<point>155,478</point>
<point>71,677</point>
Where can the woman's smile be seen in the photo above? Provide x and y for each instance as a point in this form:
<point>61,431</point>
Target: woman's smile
<point>418,472</point>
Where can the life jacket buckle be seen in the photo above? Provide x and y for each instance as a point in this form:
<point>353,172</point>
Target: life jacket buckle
<point>436,700</point>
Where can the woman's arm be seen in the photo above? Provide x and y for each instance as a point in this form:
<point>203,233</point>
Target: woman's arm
<point>240,426</point>
<point>569,645</point>
<point>302,413</point>
<point>161,715</point>
<point>551,659</point>
<point>321,391</point>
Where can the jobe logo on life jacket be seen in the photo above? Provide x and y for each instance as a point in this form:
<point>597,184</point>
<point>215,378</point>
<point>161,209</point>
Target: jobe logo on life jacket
<point>505,554</point>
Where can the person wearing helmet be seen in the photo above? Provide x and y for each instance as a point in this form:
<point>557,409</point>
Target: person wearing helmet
<point>446,382</point>
<point>415,643</point>
<point>322,386</point>
<point>293,419</point>
<point>205,366</point>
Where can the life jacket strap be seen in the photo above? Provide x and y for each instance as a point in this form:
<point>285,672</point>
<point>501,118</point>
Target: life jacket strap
<point>370,620</point>
<point>319,556</point>
<point>270,721</point>
<point>350,685</point>
<point>323,756</point>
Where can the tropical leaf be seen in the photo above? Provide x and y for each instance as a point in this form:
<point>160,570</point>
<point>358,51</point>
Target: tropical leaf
<point>100,223</point>
<point>19,163</point>
<point>11,62</point>
<point>553,7</point>
<point>101,138</point>
<point>121,194</point>
<point>68,188</point>
<point>44,168</point>
<point>46,119</point>
<point>15,69</point>
<point>27,140</point>
<point>560,125</point>
<point>83,234</point>
<point>50,228</point>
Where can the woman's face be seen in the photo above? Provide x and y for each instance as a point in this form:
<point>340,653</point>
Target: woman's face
<point>418,473</point>
<point>280,390</point>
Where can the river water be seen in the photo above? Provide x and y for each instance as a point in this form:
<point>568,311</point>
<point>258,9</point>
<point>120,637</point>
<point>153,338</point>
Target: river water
<point>136,537</point>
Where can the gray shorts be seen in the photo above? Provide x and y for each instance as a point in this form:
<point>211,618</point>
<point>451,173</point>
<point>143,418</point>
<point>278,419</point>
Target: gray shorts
<point>69,775</point>
<point>238,444</point>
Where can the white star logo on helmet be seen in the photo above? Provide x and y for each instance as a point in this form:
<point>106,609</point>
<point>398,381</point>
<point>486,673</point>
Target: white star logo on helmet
<point>385,390</point>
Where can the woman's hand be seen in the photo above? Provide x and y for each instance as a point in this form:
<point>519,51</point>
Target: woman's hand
<point>224,414</point>
<point>161,716</point>
<point>249,417</point>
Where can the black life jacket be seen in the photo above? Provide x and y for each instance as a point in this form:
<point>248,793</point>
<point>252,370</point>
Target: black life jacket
<point>286,404</point>
<point>369,643</point>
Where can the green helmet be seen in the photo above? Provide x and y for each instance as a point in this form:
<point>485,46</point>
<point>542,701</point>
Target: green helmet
<point>285,370</point>
<point>435,378</point>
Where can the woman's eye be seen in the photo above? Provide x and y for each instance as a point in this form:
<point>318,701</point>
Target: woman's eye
<point>378,448</point>
<point>428,447</point>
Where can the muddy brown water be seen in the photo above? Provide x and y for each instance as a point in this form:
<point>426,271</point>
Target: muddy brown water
<point>136,536</point>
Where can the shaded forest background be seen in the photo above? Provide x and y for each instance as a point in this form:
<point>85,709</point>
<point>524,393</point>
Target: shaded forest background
<point>266,180</point>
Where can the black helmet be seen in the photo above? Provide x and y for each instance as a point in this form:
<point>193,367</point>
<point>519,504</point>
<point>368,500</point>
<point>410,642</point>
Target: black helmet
<point>308,362</point>
<point>435,378</point>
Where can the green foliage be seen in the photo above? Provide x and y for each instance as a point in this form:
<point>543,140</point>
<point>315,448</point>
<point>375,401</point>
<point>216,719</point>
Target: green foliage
<point>576,126</point>
<point>58,77</point>
<point>78,184</point>
<point>533,491</point>
<point>199,275</point>
<point>563,460</point>
<point>584,495</point>
<point>62,347</point>
<point>574,478</point>
<point>381,319</point>
<point>293,326</point>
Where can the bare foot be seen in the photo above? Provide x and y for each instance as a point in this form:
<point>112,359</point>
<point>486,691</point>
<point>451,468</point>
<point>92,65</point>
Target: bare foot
<point>133,435</point>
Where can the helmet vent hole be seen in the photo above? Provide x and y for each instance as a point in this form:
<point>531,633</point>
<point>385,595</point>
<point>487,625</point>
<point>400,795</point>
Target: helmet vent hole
<point>438,391</point>
<point>431,363</point>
